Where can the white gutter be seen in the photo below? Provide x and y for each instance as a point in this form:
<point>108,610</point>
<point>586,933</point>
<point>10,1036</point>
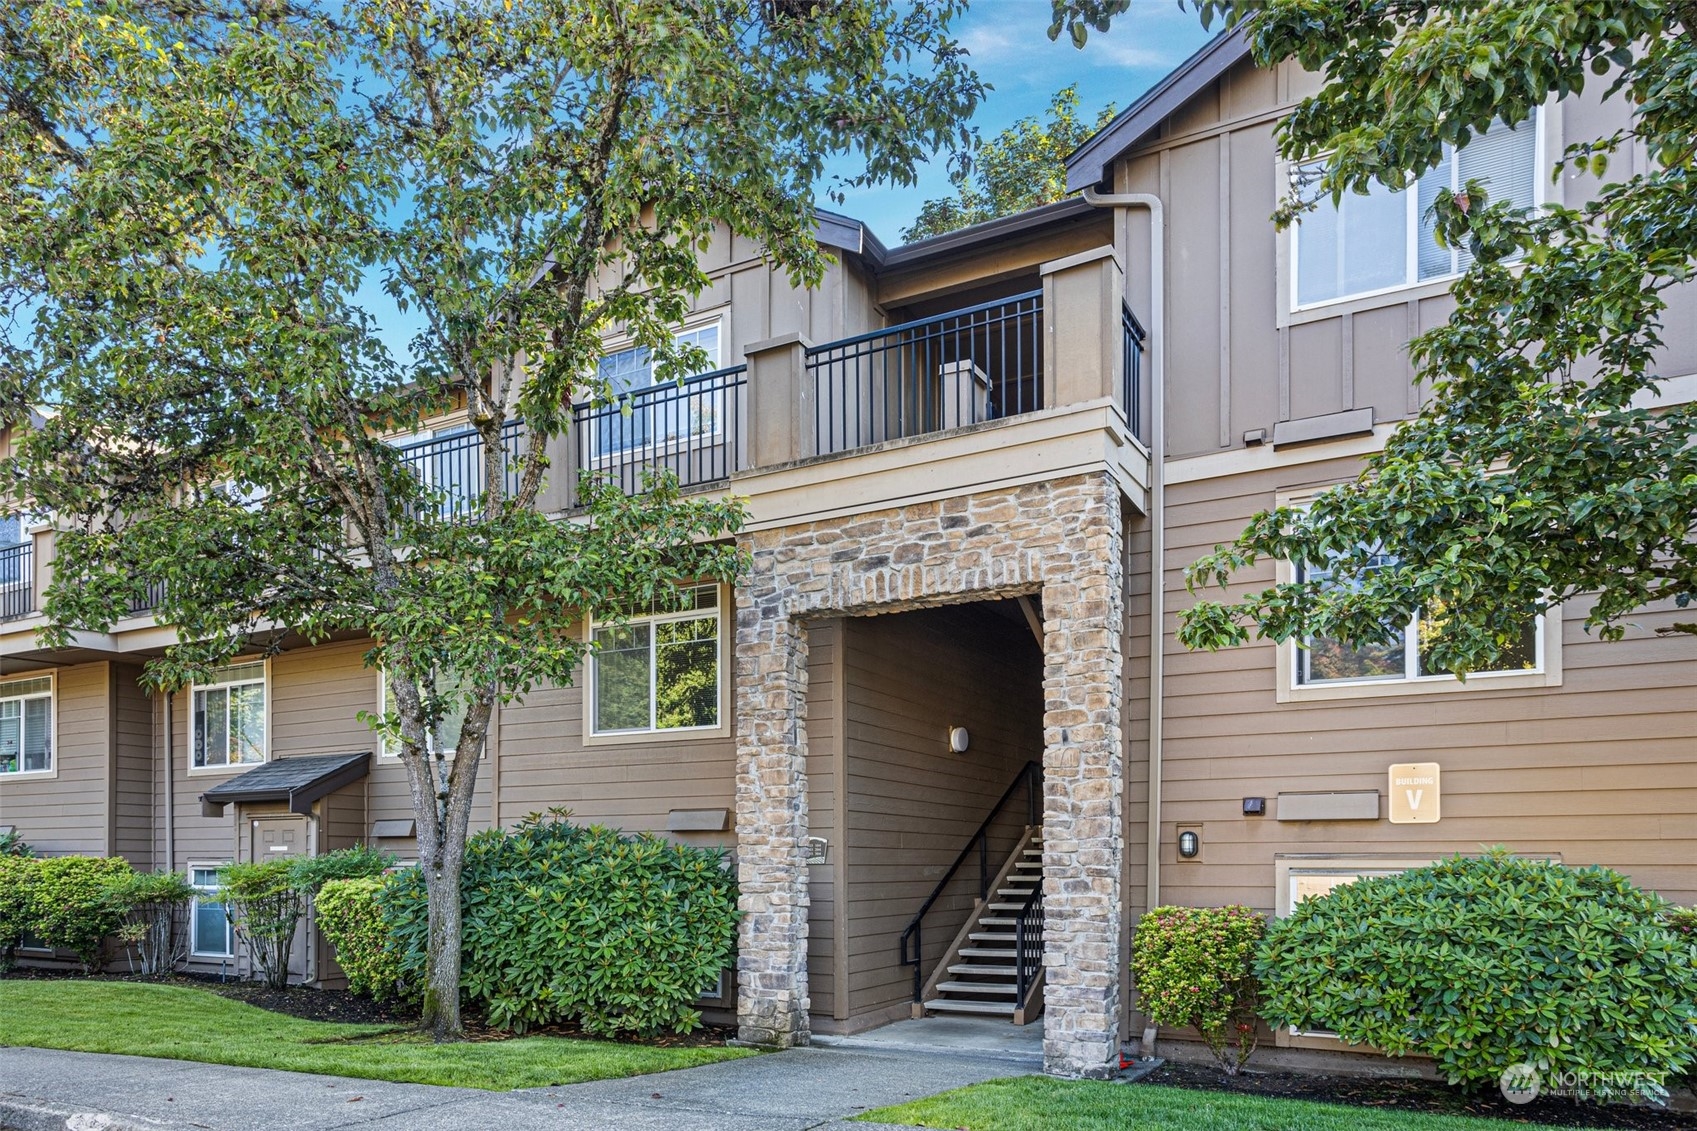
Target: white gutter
<point>1157,500</point>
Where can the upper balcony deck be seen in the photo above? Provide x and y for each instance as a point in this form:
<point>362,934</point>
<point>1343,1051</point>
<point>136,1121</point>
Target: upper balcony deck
<point>1019,385</point>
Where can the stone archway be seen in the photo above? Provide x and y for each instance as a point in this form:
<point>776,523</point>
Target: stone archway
<point>1064,539</point>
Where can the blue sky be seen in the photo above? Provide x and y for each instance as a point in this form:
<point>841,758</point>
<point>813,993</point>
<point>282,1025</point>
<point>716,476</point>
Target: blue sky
<point>1011,51</point>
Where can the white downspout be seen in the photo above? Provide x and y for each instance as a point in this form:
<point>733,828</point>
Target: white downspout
<point>1157,502</point>
<point>170,793</point>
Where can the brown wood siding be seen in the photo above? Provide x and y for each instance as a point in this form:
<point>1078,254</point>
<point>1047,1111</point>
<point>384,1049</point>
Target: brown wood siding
<point>825,967</point>
<point>911,804</point>
<point>132,793</point>
<point>1235,361</point>
<point>1598,769</point>
<point>68,812</point>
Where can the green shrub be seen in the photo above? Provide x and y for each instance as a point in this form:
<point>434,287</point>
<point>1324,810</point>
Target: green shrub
<point>266,900</point>
<point>12,844</point>
<point>618,933</point>
<point>17,878</point>
<point>153,928</point>
<point>1682,921</point>
<point>351,917</point>
<point>70,904</point>
<point>1193,967</point>
<point>1486,962</point>
<point>309,873</point>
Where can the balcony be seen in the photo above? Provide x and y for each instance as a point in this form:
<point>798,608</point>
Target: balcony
<point>17,581</point>
<point>692,428</point>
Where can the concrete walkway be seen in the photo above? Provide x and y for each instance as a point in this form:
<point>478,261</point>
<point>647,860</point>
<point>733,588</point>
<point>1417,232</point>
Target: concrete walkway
<point>789,1091</point>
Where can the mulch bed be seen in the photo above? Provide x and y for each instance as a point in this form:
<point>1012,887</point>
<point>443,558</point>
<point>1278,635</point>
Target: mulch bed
<point>1422,1095</point>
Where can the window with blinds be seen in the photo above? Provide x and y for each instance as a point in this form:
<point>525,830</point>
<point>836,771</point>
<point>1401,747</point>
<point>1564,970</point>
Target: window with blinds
<point>1383,240</point>
<point>26,726</point>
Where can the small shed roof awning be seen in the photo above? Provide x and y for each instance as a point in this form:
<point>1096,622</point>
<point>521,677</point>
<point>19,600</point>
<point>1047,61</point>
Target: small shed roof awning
<point>299,781</point>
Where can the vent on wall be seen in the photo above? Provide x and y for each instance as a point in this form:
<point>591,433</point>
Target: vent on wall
<point>1318,429</point>
<point>400,827</point>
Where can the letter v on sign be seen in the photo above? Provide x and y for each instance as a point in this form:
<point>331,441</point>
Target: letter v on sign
<point>1414,793</point>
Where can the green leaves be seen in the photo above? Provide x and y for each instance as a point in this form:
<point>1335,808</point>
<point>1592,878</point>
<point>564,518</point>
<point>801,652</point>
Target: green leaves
<point>1490,961</point>
<point>618,933</point>
<point>1193,968</point>
<point>1022,167</point>
<point>1534,474</point>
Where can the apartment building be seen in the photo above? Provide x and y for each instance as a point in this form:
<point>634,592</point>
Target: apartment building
<point>944,723</point>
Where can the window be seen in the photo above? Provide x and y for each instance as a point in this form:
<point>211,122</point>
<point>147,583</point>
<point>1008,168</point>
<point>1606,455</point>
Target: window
<point>210,933</point>
<point>447,459</point>
<point>659,671</point>
<point>446,735</point>
<point>26,726</point>
<point>1406,653</point>
<point>656,419</point>
<point>1384,239</point>
<point>229,717</point>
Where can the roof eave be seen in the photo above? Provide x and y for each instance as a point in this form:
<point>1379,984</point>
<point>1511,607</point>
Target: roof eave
<point>1092,163</point>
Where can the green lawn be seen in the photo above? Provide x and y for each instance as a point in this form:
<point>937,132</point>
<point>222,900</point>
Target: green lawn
<point>189,1024</point>
<point>1039,1103</point>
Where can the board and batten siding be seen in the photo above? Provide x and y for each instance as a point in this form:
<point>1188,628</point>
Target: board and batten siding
<point>826,931</point>
<point>1238,359</point>
<point>910,805</point>
<point>132,762</point>
<point>1598,769</point>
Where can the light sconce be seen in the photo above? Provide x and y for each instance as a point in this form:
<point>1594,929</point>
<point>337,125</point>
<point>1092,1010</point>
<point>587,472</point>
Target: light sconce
<point>959,740</point>
<point>1189,844</point>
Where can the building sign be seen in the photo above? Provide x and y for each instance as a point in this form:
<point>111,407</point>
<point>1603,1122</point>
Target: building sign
<point>1414,793</point>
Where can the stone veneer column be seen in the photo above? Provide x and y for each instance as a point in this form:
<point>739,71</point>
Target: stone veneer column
<point>1083,789</point>
<point>771,688</point>
<point>1063,538</point>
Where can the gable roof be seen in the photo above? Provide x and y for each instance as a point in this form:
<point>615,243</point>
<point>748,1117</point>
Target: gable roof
<point>1092,162</point>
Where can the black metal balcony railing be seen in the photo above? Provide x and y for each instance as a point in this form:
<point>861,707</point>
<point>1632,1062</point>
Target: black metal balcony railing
<point>963,367</point>
<point>692,428</point>
<point>451,467</point>
<point>150,600</point>
<point>1132,394</point>
<point>17,580</point>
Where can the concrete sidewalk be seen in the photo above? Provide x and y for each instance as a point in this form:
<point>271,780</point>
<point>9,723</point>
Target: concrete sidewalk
<point>789,1091</point>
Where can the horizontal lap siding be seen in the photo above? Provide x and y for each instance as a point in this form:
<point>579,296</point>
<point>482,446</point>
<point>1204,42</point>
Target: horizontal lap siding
<point>1602,769</point>
<point>910,804</point>
<point>68,812</point>
<point>824,751</point>
<point>132,791</point>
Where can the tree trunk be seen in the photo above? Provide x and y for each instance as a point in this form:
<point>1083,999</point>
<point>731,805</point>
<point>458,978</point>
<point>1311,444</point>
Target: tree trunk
<point>441,1015</point>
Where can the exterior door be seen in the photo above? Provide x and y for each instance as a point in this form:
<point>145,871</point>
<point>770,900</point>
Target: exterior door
<point>271,838</point>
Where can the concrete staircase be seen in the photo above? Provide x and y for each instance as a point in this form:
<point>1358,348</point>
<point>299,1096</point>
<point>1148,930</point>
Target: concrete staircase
<point>979,973</point>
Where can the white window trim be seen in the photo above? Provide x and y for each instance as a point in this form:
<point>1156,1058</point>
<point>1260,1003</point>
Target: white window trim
<point>1548,140</point>
<point>52,697</point>
<point>595,460</point>
<point>232,767</point>
<point>194,910</point>
<point>1548,673</point>
<point>386,753</point>
<point>722,729</point>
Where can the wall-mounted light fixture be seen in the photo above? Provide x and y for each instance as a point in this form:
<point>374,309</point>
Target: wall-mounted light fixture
<point>959,740</point>
<point>1189,844</point>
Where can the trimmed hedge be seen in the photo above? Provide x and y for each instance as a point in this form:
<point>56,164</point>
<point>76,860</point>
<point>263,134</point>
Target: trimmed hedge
<point>1194,967</point>
<point>1486,962</point>
<point>351,917</point>
<point>618,933</point>
<point>17,876</point>
<point>71,906</point>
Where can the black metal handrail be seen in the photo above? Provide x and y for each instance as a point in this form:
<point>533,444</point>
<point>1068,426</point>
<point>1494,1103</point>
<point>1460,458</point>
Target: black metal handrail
<point>692,428</point>
<point>451,468</point>
<point>1133,337</point>
<point>913,941</point>
<point>1028,944</point>
<point>150,600</point>
<point>967,366</point>
<point>17,580</point>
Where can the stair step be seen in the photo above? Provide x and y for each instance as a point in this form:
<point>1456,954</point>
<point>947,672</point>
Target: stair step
<point>944,1005</point>
<point>986,952</point>
<point>1034,852</point>
<point>992,936</point>
<point>976,987</point>
<point>1007,906</point>
<point>996,920</point>
<point>986,969</point>
<point>1029,864</point>
<point>1012,891</point>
